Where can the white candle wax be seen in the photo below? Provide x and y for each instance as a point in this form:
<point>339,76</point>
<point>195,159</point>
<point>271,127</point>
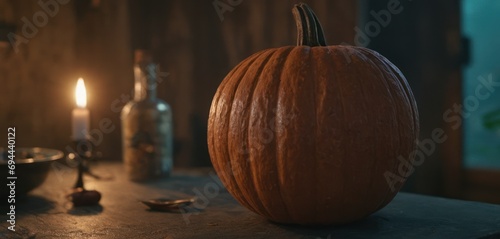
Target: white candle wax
<point>80,121</point>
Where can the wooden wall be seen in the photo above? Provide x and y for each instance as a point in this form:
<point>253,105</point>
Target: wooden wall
<point>37,76</point>
<point>95,40</point>
<point>424,40</point>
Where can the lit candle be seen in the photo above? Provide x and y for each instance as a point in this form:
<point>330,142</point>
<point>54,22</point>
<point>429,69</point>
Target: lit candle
<point>80,115</point>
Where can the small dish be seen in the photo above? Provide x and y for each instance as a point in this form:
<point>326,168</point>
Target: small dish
<point>32,166</point>
<point>165,204</point>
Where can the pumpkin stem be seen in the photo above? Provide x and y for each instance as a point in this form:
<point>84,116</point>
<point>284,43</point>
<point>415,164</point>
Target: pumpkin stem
<point>309,30</point>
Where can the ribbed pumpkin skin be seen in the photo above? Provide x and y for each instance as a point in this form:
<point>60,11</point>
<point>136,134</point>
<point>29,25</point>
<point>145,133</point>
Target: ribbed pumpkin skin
<point>304,135</point>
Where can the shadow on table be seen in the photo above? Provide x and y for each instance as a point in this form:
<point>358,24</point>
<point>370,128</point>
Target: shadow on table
<point>86,210</point>
<point>374,224</point>
<point>380,226</point>
<point>491,236</point>
<point>28,204</point>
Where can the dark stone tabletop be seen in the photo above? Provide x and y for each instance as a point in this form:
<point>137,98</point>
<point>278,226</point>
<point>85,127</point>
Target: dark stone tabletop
<point>45,213</point>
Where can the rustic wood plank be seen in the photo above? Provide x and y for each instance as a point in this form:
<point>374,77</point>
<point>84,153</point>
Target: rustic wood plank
<point>104,60</point>
<point>38,80</point>
<point>425,44</point>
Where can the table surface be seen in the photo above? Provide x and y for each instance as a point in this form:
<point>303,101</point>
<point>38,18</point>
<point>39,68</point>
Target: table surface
<point>45,213</point>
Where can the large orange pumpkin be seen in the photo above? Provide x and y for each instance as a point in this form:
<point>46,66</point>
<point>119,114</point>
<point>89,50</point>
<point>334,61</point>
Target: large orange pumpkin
<point>307,134</point>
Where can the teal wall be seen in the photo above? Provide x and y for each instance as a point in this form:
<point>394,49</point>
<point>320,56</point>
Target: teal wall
<point>481,24</point>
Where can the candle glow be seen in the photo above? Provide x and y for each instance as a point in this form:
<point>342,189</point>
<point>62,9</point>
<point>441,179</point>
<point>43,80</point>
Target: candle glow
<point>81,94</point>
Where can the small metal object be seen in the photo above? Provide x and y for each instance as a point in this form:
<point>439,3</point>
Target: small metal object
<point>163,204</point>
<point>83,197</point>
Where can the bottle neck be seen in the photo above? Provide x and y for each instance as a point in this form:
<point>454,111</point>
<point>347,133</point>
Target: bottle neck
<point>145,81</point>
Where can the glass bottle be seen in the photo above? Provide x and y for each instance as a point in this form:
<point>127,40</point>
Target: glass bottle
<point>147,135</point>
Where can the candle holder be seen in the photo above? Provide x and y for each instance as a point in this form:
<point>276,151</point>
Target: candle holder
<point>83,155</point>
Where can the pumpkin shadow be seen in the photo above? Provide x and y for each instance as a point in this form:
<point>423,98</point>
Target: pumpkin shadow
<point>491,236</point>
<point>369,225</point>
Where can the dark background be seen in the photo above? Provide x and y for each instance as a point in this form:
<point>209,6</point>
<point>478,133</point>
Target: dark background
<point>197,46</point>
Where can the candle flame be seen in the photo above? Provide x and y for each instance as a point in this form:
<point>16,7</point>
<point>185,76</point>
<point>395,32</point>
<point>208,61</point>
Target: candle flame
<point>81,94</point>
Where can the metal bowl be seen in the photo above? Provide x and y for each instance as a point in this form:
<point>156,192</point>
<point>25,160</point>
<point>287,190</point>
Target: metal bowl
<point>32,166</point>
